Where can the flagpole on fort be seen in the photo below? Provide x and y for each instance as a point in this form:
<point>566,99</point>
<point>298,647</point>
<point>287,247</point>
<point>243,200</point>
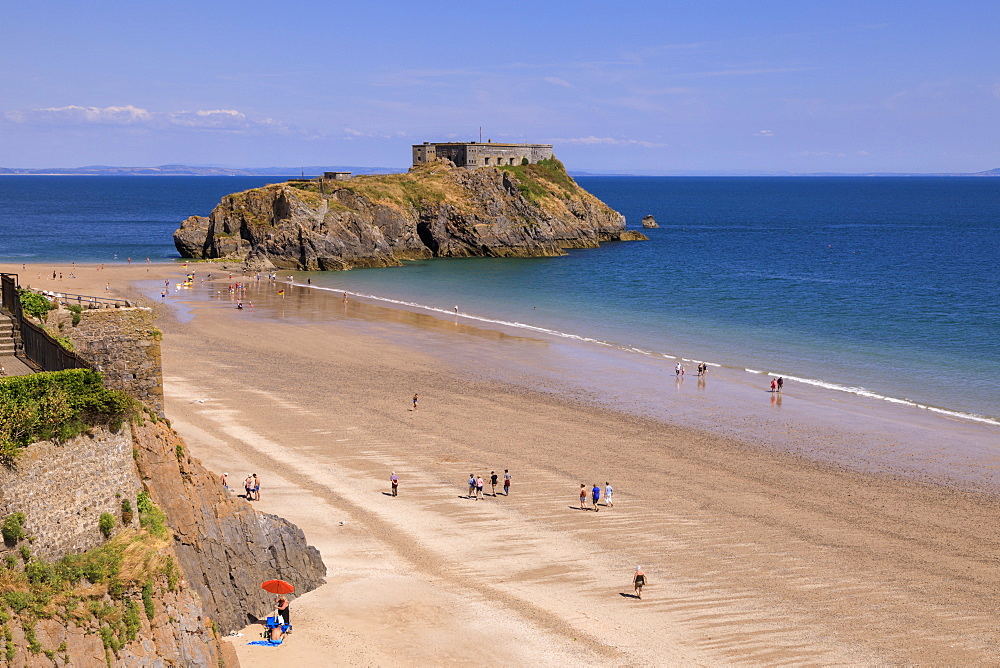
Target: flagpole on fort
<point>480,134</point>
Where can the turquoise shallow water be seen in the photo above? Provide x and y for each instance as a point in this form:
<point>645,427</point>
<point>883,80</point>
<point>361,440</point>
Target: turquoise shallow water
<point>885,286</point>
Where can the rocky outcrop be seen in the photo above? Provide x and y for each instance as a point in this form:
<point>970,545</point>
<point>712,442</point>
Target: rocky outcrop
<point>202,569</point>
<point>435,210</point>
<point>649,222</point>
<point>224,546</point>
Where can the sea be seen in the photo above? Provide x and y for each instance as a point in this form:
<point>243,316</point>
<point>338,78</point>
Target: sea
<point>884,287</point>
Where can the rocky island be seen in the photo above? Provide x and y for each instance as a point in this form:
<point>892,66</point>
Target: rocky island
<point>434,210</point>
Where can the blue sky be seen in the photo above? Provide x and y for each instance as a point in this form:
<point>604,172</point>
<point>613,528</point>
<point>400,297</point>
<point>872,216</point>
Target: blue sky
<point>627,86</point>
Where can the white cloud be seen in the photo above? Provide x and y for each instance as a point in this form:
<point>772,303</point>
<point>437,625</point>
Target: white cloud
<point>229,120</point>
<point>556,81</point>
<point>609,141</point>
<point>764,133</point>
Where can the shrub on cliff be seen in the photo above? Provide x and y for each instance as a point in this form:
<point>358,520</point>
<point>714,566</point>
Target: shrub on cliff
<point>34,304</point>
<point>56,406</point>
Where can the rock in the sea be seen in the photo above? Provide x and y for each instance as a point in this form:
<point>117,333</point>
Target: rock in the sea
<point>649,222</point>
<point>435,210</point>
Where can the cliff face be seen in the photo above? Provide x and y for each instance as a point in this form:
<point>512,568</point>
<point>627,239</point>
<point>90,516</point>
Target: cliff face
<point>433,211</point>
<point>225,547</point>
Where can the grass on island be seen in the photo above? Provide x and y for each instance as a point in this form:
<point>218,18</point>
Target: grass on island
<point>545,184</point>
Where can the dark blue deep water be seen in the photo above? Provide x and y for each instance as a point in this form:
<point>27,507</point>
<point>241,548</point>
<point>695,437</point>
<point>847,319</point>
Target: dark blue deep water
<point>885,284</point>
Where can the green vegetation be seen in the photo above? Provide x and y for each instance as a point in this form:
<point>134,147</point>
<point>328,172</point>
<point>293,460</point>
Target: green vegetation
<point>179,451</point>
<point>127,514</point>
<point>34,304</point>
<point>13,528</point>
<point>56,405</point>
<point>151,518</point>
<point>98,590</point>
<point>545,178</point>
<point>147,600</point>
<point>106,524</point>
<point>65,342</point>
<point>76,310</point>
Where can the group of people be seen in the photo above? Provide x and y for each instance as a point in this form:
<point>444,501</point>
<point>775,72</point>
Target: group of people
<point>252,487</point>
<point>777,384</point>
<point>476,484</point>
<point>702,369</point>
<point>595,496</point>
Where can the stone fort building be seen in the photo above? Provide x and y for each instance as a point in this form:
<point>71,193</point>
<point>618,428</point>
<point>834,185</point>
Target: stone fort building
<point>476,154</point>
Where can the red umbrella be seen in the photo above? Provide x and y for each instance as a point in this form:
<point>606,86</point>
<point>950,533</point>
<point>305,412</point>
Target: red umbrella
<point>277,587</point>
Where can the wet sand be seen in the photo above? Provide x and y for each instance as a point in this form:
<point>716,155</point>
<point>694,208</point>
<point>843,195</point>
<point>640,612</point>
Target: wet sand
<point>754,554</point>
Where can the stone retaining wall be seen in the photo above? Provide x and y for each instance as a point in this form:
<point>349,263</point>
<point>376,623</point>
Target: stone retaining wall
<point>63,489</point>
<point>123,344</point>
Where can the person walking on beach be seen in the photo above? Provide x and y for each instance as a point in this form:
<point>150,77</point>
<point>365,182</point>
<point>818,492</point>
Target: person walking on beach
<point>677,369</point>
<point>608,498</point>
<point>493,482</point>
<point>774,384</point>
<point>506,482</point>
<point>638,580</point>
<point>781,383</point>
<point>248,487</point>
<point>595,495</point>
<point>479,487</point>
<point>472,486</point>
<point>394,480</point>
<point>583,496</point>
<point>256,487</point>
<point>416,398</point>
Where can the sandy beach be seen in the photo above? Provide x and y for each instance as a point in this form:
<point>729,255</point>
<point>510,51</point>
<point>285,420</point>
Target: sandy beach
<point>756,553</point>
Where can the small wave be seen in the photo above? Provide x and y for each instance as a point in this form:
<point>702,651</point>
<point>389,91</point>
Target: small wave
<point>863,392</point>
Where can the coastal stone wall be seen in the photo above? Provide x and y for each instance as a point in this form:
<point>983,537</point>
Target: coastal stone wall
<point>123,344</point>
<point>63,489</point>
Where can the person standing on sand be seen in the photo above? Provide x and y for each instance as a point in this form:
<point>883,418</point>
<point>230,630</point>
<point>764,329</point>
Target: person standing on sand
<point>479,487</point>
<point>493,482</point>
<point>638,580</point>
<point>256,487</point>
<point>472,486</point>
<point>248,487</point>
<point>774,384</point>
<point>583,496</point>
<point>781,383</point>
<point>224,479</point>
<point>677,369</point>
<point>281,607</point>
<point>394,480</point>
<point>608,499</point>
<point>595,495</point>
<point>506,482</point>
<point>416,398</point>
